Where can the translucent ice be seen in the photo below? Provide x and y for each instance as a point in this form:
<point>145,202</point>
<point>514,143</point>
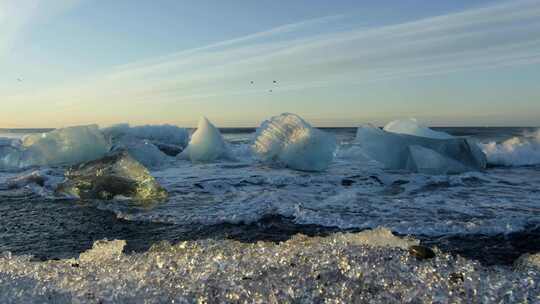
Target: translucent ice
<point>65,146</point>
<point>339,268</point>
<point>143,151</point>
<point>206,144</point>
<point>427,161</point>
<point>106,178</point>
<point>10,157</point>
<point>103,251</point>
<point>413,127</point>
<point>420,154</point>
<point>150,144</point>
<point>380,237</point>
<point>164,134</point>
<point>290,140</point>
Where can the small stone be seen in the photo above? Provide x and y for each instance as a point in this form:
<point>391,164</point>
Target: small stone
<point>456,277</point>
<point>421,252</point>
<point>347,182</point>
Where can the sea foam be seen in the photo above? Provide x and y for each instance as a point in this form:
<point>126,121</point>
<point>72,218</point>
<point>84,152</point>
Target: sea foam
<point>516,151</point>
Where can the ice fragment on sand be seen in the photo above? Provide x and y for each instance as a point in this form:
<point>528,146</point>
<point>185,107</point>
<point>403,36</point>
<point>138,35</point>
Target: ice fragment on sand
<point>114,175</point>
<point>103,251</point>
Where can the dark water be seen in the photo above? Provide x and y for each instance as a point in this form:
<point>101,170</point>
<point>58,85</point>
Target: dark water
<point>64,229</point>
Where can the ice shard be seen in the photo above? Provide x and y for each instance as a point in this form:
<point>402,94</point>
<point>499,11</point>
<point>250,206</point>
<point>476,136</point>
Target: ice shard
<point>109,177</point>
<point>206,144</point>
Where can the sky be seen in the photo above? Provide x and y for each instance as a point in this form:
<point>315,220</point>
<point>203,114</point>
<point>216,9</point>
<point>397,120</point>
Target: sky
<point>335,63</point>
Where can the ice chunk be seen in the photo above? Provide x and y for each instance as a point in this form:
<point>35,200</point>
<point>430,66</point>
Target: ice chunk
<point>114,175</point>
<point>163,134</point>
<point>62,146</point>
<point>380,237</point>
<point>206,144</point>
<point>290,140</point>
<point>419,154</point>
<point>338,268</point>
<point>150,144</point>
<point>427,161</point>
<point>103,250</point>
<point>516,151</point>
<point>527,261</point>
<point>10,157</point>
<point>413,127</point>
<point>143,151</point>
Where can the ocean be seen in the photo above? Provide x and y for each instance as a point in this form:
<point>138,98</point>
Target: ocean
<point>228,228</point>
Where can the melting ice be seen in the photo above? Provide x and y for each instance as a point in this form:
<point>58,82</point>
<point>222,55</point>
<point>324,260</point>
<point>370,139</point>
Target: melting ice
<point>59,147</point>
<point>371,267</point>
<point>206,144</point>
<point>426,151</point>
<point>290,140</point>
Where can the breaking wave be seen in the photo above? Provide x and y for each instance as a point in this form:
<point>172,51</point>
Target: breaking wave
<point>516,151</point>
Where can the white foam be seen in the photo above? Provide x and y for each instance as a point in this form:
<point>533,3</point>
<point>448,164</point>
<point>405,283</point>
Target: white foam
<point>348,195</point>
<point>516,151</point>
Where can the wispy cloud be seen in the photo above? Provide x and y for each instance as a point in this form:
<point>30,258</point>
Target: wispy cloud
<point>17,15</point>
<point>315,54</point>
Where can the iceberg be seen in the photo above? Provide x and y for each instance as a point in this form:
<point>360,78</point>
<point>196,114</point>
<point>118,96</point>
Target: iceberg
<point>420,154</point>
<point>114,175</point>
<point>412,127</point>
<point>206,144</point>
<point>162,134</point>
<point>64,146</point>
<point>290,140</point>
